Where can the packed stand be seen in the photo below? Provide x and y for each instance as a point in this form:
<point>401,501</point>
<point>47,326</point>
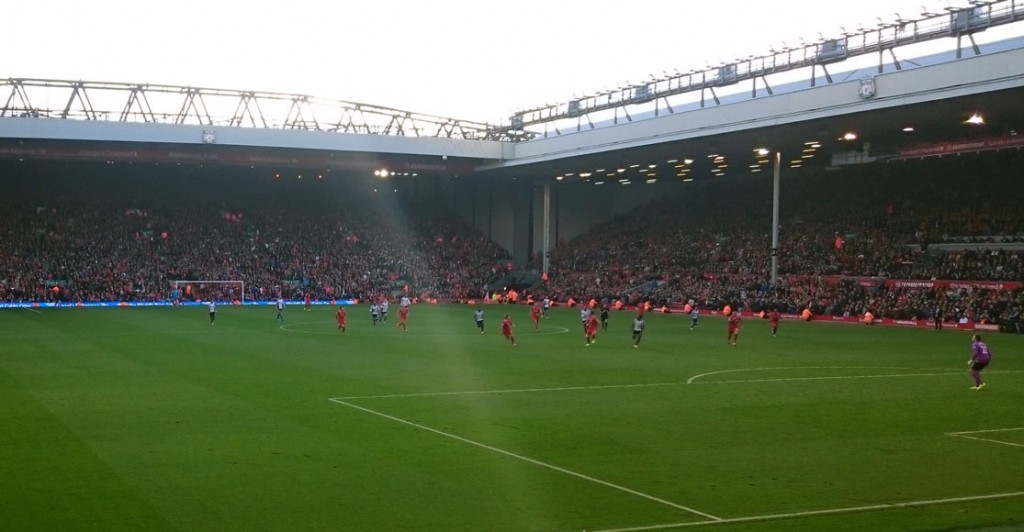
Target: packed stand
<point>921,220</point>
<point>129,237</point>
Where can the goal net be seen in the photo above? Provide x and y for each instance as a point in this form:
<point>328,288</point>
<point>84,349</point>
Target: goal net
<point>187,291</point>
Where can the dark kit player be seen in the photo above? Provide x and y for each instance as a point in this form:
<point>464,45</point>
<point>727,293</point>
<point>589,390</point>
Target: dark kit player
<point>980,357</point>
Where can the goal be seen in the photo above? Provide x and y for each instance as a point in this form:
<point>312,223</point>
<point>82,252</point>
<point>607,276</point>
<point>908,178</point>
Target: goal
<point>202,290</point>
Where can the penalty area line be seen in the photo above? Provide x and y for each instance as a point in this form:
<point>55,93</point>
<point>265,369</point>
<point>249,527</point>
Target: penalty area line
<point>812,513</point>
<point>692,380</point>
<point>981,431</point>
<point>513,390</point>
<point>531,461</point>
<point>967,436</point>
<point>831,378</point>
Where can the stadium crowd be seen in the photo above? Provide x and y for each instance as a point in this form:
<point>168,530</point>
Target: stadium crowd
<point>844,238</point>
<point>129,239</point>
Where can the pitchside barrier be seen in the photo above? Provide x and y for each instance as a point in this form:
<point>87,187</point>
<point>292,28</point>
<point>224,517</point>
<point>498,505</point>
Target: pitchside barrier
<point>93,304</point>
<point>883,322</point>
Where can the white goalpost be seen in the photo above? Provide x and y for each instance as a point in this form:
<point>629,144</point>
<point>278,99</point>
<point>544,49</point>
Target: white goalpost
<point>199,289</point>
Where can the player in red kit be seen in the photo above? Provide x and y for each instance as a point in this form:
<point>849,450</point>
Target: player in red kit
<point>308,300</point>
<point>774,319</point>
<point>506,329</point>
<point>591,327</point>
<point>342,317</point>
<point>734,327</point>
<point>403,315</point>
<point>535,316</point>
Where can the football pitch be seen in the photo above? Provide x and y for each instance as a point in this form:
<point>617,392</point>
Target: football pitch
<point>153,419</point>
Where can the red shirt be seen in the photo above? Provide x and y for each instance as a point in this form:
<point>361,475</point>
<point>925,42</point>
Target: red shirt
<point>341,315</point>
<point>506,326</point>
<point>774,316</point>
<point>535,313</point>
<point>734,321</point>
<point>592,324</point>
<point>403,313</point>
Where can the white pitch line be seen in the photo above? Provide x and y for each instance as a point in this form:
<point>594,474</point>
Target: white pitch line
<point>982,431</point>
<point>656,384</point>
<point>532,461</point>
<point>284,327</point>
<point>843,377</point>
<point>990,440</point>
<point>745,370</point>
<point>811,513</point>
<point>562,331</point>
<point>513,390</point>
<point>32,310</point>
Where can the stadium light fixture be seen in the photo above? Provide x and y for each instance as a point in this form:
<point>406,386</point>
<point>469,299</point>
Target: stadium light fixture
<point>761,151</point>
<point>908,129</point>
<point>849,135</point>
<point>975,120</point>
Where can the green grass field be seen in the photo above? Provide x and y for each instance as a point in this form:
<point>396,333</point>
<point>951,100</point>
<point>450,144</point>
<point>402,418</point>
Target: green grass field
<point>151,419</point>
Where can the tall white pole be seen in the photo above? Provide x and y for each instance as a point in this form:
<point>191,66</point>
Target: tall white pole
<point>546,245</point>
<point>775,218</point>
